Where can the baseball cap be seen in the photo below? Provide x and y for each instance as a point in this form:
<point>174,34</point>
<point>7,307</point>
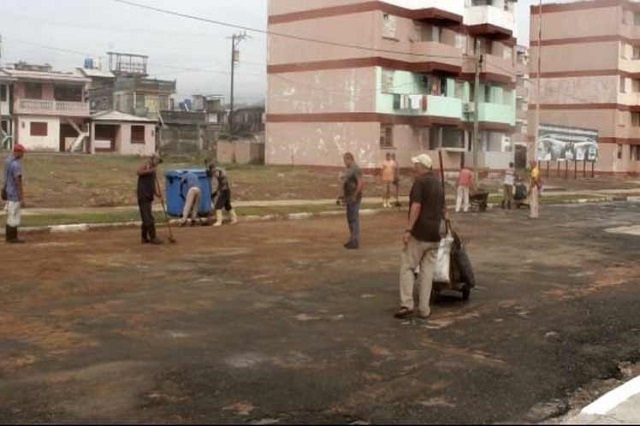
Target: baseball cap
<point>18,148</point>
<point>423,159</point>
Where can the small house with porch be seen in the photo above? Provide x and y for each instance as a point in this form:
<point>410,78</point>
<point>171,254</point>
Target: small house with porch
<point>120,133</point>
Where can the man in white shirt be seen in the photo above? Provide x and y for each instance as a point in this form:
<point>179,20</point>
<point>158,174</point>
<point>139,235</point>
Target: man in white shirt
<point>509,182</point>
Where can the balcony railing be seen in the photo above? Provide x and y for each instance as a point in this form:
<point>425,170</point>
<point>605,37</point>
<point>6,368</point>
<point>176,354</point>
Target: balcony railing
<point>491,15</point>
<point>50,107</point>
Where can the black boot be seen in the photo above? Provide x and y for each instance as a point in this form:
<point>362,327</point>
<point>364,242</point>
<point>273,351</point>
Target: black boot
<point>143,235</point>
<point>153,239</point>
<point>7,233</point>
<point>13,236</point>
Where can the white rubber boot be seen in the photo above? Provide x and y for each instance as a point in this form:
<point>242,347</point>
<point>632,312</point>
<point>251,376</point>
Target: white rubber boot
<point>218,218</point>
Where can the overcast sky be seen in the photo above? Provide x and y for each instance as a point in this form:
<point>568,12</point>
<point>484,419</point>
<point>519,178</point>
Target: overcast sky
<point>196,54</point>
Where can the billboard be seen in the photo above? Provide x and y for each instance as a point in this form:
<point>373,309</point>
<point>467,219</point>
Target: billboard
<point>560,143</point>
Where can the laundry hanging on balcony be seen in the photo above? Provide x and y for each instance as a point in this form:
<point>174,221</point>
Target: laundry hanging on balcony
<point>410,102</point>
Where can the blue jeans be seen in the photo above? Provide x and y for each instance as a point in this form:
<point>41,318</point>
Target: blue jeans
<point>353,219</point>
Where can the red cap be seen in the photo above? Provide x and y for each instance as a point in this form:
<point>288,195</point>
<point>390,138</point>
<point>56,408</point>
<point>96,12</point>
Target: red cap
<point>18,148</point>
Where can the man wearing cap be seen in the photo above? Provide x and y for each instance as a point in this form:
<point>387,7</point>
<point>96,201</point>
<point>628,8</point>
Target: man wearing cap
<point>148,189</point>
<point>421,237</point>
<point>221,196</point>
<point>13,193</point>
<point>352,192</point>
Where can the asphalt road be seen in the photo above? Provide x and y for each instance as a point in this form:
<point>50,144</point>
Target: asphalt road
<point>275,322</point>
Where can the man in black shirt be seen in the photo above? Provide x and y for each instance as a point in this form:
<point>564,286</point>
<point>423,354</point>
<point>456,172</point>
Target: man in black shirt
<point>421,238</point>
<point>147,190</point>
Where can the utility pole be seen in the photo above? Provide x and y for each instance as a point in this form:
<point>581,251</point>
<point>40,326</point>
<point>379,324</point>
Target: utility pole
<point>236,39</point>
<point>476,117</point>
<point>534,151</point>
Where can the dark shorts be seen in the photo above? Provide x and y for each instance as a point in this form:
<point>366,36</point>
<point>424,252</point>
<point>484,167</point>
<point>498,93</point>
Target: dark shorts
<point>223,201</point>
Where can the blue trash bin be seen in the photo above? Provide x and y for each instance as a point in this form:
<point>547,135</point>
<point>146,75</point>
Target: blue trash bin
<point>176,192</point>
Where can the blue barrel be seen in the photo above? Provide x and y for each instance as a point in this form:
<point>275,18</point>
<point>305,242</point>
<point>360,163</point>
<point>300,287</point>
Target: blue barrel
<point>176,192</point>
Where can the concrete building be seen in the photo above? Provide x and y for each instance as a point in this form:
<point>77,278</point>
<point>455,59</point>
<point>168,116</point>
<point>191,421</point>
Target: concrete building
<point>50,111</point>
<point>6,122</point>
<point>590,75</point>
<point>389,76</point>
<point>116,132</point>
<point>126,86</point>
<point>520,137</point>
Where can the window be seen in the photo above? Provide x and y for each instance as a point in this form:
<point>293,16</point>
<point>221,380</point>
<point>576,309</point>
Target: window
<point>635,86</point>
<point>636,18</point>
<point>431,33</point>
<point>137,134</point>
<point>3,93</point>
<point>635,152</point>
<point>389,26</point>
<point>387,81</point>
<point>33,90</point>
<point>386,136</point>
<point>67,93</point>
<point>507,53</point>
<point>38,129</point>
<point>445,137</point>
<point>4,126</point>
<point>487,93</point>
<point>635,52</point>
<point>435,85</point>
<point>635,119</point>
<point>460,41</point>
<point>623,84</point>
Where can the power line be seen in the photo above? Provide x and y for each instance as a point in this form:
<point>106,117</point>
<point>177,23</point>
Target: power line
<point>273,33</point>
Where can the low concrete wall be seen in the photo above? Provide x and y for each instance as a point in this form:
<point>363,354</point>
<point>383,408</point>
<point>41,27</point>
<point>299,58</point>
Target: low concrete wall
<point>240,152</point>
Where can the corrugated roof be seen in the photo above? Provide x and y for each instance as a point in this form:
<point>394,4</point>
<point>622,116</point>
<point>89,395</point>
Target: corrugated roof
<point>120,116</point>
<point>89,72</point>
<point>46,76</point>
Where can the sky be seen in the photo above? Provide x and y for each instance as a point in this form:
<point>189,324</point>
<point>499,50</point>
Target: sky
<point>196,54</point>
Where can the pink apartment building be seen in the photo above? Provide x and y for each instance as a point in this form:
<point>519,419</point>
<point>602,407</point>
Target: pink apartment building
<point>373,77</point>
<point>590,75</point>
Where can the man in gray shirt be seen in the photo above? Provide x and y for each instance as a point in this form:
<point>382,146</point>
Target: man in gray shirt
<point>352,190</point>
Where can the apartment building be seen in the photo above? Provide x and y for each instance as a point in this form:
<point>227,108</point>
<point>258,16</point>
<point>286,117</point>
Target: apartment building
<point>520,137</point>
<point>373,77</point>
<point>50,111</point>
<point>590,75</point>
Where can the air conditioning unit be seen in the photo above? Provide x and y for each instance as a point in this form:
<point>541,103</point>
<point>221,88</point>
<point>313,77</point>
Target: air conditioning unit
<point>468,108</point>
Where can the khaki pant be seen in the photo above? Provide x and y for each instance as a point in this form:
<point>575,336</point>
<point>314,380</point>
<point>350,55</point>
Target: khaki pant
<point>535,202</point>
<point>13,213</point>
<point>507,198</point>
<point>191,204</point>
<point>462,200</point>
<point>414,254</point>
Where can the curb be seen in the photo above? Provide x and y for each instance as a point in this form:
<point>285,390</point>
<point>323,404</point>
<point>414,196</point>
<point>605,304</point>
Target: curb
<point>84,227</point>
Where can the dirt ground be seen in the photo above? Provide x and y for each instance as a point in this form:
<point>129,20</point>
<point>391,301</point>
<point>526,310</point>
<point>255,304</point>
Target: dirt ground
<point>65,180</point>
<point>275,322</point>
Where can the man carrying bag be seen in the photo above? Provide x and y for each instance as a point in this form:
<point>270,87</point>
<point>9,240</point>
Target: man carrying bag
<point>421,238</point>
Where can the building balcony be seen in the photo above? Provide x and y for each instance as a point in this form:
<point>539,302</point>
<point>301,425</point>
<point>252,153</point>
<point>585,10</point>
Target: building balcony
<point>436,106</point>
<point>438,56</point>
<point>631,99</point>
<point>443,12</point>
<point>498,65</point>
<point>497,113</point>
<point>490,21</point>
<point>51,107</point>
<point>632,66</point>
